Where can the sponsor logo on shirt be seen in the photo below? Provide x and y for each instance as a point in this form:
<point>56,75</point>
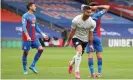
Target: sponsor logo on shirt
<point>33,22</point>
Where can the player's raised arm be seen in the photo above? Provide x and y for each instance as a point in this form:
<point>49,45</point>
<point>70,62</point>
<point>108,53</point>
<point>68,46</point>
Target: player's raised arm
<point>99,10</point>
<point>105,7</point>
<point>24,23</point>
<point>39,31</point>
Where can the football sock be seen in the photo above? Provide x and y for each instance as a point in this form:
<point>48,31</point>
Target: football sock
<point>37,56</point>
<point>99,63</point>
<point>90,64</point>
<point>77,61</point>
<point>73,61</point>
<point>24,59</point>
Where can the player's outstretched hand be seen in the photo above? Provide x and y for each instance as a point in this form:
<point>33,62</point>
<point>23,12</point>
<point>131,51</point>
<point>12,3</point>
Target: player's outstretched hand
<point>91,48</point>
<point>66,44</point>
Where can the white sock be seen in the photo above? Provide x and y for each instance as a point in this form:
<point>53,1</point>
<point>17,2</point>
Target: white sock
<point>73,61</point>
<point>77,61</point>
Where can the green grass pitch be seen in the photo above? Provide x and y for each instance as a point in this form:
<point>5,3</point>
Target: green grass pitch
<point>53,64</point>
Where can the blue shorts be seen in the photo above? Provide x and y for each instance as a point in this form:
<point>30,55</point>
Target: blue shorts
<point>97,45</point>
<point>27,44</point>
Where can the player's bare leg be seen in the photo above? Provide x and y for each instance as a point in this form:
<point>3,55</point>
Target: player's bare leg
<point>99,63</point>
<point>36,58</point>
<point>91,64</point>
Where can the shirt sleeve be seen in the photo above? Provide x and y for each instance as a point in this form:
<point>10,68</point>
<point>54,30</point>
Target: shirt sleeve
<point>99,14</point>
<point>93,25</point>
<point>37,28</point>
<point>73,26</point>
<point>24,23</point>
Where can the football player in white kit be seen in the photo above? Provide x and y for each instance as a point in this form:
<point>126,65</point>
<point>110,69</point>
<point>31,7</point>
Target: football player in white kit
<point>81,32</point>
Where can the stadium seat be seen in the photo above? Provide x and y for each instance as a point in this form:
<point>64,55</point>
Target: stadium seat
<point>8,16</point>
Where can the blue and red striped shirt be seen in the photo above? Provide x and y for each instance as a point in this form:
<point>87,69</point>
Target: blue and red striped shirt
<point>97,17</point>
<point>30,26</point>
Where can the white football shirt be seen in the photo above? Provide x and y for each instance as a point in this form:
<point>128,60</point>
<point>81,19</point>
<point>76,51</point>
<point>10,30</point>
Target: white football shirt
<point>82,27</point>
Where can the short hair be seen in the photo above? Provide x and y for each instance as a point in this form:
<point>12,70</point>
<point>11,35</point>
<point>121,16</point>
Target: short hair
<point>29,4</point>
<point>86,8</point>
<point>93,4</point>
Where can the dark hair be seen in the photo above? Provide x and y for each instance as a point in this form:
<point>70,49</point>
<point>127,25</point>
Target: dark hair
<point>86,8</point>
<point>93,4</point>
<point>29,4</point>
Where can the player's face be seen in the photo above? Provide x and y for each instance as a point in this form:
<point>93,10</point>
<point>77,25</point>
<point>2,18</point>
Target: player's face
<point>88,12</point>
<point>33,7</point>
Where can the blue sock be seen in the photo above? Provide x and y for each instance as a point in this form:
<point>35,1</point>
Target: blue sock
<point>37,56</point>
<point>24,60</point>
<point>99,63</point>
<point>90,64</point>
